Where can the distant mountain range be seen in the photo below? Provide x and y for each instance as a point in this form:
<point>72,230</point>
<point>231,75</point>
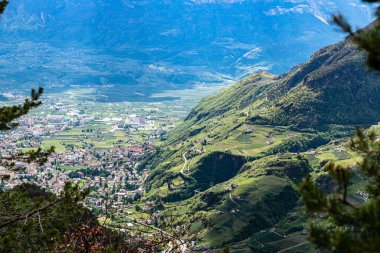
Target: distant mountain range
<point>154,45</point>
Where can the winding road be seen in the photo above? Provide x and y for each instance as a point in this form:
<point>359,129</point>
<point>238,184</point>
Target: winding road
<point>184,166</point>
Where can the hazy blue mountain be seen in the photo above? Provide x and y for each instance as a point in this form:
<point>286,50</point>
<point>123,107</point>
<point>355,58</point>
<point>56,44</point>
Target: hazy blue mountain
<point>153,45</point>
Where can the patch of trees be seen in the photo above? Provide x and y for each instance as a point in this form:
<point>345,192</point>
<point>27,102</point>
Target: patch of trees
<point>88,172</point>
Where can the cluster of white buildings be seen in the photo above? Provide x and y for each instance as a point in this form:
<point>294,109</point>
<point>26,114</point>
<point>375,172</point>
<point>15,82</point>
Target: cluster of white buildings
<point>134,121</point>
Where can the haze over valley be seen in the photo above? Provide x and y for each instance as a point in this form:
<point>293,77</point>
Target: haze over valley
<point>129,50</point>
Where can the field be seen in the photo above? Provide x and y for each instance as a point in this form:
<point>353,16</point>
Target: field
<point>97,134</point>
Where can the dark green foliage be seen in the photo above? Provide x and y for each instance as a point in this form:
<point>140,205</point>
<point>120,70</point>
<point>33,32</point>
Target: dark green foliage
<point>268,211</point>
<point>211,198</point>
<point>9,113</point>
<point>227,249</point>
<point>293,168</point>
<point>300,143</point>
<point>89,172</point>
<point>347,226</point>
<point>3,5</point>
<point>366,39</point>
<point>178,195</point>
<point>217,167</point>
<point>33,220</point>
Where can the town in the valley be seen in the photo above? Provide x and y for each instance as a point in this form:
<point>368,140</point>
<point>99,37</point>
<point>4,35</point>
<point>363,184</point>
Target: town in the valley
<point>97,146</point>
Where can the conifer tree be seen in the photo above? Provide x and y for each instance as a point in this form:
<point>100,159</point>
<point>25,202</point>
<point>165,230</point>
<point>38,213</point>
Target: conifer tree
<point>339,224</point>
<point>367,39</point>
<point>3,4</point>
<point>10,113</point>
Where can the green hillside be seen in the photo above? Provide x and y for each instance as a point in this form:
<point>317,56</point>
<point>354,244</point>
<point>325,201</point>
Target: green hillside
<point>331,88</point>
<point>236,158</point>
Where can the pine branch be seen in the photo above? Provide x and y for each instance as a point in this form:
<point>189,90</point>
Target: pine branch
<point>10,113</point>
<point>39,156</point>
<point>342,226</point>
<point>3,5</point>
<point>366,39</point>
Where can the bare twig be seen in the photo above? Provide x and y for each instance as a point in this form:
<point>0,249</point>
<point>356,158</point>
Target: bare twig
<point>30,214</point>
<point>39,221</point>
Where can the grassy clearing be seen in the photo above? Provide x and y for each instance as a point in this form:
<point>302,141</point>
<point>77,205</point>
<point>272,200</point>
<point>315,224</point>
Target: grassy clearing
<point>59,147</point>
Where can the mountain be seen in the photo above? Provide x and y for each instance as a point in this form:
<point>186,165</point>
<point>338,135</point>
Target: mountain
<point>331,88</point>
<point>153,46</point>
<point>236,158</point>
